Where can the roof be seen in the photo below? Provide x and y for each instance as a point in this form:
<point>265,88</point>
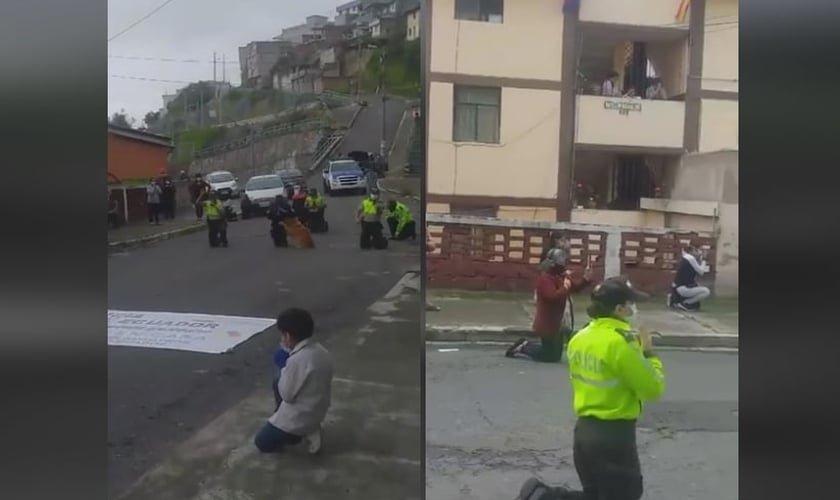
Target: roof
<point>139,135</point>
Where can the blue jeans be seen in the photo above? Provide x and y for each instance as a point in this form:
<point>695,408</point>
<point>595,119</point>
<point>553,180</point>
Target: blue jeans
<point>270,439</point>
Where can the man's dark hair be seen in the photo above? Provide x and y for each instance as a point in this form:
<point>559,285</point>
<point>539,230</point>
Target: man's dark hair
<point>297,323</point>
<point>392,205</point>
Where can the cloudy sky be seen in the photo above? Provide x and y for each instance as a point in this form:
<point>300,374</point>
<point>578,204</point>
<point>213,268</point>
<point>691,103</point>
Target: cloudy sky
<point>188,30</point>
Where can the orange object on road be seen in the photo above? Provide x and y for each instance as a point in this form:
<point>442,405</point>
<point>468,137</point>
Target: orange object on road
<point>298,233</point>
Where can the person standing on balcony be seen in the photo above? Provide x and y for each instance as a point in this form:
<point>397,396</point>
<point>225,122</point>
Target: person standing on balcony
<point>655,90</point>
<point>609,87</point>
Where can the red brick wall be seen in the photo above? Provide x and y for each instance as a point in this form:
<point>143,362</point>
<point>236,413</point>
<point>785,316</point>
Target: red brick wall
<point>502,258</point>
<point>650,260</point>
<point>132,159</point>
<point>474,257</point>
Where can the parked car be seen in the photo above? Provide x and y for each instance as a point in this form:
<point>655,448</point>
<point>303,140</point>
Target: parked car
<point>260,191</point>
<point>369,162</point>
<point>343,176</point>
<point>224,183</point>
<point>291,177</point>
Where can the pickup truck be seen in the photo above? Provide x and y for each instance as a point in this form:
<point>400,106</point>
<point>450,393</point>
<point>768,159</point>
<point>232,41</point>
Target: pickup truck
<point>344,176</point>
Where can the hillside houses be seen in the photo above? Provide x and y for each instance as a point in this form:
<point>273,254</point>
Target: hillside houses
<point>313,56</point>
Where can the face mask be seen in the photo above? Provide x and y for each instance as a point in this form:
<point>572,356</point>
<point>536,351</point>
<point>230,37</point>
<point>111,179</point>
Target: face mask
<point>634,311</point>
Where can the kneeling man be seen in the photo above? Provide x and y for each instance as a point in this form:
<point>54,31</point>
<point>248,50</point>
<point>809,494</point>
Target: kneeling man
<point>304,387</point>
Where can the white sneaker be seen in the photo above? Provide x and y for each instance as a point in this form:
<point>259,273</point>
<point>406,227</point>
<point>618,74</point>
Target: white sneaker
<point>313,442</point>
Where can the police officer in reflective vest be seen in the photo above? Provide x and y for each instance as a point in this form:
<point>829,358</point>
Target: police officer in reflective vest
<point>370,215</point>
<point>400,221</point>
<point>214,209</point>
<point>613,372</point>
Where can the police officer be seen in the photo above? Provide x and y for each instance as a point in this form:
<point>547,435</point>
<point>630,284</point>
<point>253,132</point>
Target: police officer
<point>278,213</point>
<point>315,206</point>
<point>400,221</point>
<point>613,371</point>
<point>369,215</point>
<point>214,209</point>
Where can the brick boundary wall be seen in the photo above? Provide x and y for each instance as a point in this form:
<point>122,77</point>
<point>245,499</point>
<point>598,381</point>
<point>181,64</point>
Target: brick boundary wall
<point>476,253</point>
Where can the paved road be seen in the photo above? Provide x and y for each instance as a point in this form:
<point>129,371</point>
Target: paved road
<point>366,132</point>
<point>492,422</point>
<point>158,398</point>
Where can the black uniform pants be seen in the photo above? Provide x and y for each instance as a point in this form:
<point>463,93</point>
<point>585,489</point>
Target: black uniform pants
<point>371,236</point>
<point>606,459</point>
<point>408,231</point>
<point>217,232</point>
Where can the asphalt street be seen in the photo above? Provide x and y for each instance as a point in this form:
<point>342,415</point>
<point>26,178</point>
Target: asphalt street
<point>492,422</point>
<point>366,132</point>
<point>158,398</point>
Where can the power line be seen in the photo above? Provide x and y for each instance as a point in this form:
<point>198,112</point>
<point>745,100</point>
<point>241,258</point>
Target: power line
<point>167,59</point>
<point>144,79</point>
<point>135,23</point>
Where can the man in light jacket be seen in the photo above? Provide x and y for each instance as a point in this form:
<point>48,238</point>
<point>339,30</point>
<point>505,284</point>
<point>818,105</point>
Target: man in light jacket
<point>305,387</point>
<point>686,294</point>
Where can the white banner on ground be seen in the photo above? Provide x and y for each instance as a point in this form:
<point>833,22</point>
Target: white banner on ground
<point>182,331</point>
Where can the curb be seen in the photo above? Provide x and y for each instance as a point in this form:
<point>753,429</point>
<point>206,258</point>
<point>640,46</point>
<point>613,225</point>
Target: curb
<point>154,238</point>
<point>509,334</point>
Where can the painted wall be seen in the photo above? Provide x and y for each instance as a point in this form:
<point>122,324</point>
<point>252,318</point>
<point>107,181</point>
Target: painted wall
<point>707,177</point>
<point>670,61</point>
<point>623,218</point>
<point>726,281</point>
<point>720,46</point>
<point>527,213</point>
<point>718,125</point>
<point>527,44</point>
<point>658,124</point>
<point>527,153</point>
<point>637,12</point>
<point>132,159</point>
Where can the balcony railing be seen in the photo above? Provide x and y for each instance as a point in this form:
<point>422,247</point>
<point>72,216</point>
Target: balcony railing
<point>636,13</point>
<point>624,122</point>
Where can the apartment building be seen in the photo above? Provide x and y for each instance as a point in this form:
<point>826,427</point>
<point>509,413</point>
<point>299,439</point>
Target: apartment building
<point>256,60</point>
<point>519,125</point>
<point>412,23</point>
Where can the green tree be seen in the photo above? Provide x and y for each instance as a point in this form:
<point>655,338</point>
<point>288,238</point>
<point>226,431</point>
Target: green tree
<point>151,119</point>
<point>121,119</point>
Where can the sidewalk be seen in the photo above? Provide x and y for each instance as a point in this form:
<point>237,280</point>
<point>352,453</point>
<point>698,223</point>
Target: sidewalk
<point>504,317</point>
<point>372,435</point>
<point>140,233</point>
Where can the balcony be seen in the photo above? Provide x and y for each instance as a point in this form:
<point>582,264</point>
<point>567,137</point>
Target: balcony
<point>626,123</point>
<point>653,13</point>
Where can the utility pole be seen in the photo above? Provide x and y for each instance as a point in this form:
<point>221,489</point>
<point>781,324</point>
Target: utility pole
<point>253,153</point>
<point>220,92</point>
<point>382,146</point>
<point>359,71</point>
<point>214,66</point>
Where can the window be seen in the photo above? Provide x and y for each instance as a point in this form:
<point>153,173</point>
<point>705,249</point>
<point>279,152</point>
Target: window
<point>476,113</point>
<point>489,11</point>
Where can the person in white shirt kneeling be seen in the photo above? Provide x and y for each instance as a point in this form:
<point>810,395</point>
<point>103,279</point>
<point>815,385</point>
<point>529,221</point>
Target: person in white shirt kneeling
<point>305,387</point>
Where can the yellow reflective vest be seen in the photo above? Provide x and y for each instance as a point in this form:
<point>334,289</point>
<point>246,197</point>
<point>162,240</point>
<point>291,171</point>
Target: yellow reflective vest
<point>213,209</point>
<point>403,216</point>
<point>314,201</point>
<point>611,377</point>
